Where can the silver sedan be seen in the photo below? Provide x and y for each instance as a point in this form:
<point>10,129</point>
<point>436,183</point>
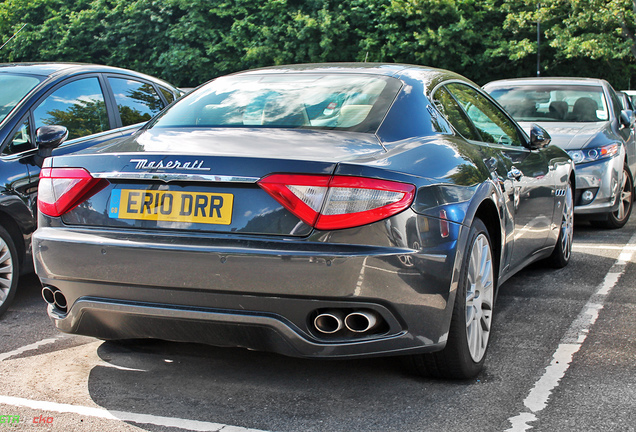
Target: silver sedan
<point>585,117</point>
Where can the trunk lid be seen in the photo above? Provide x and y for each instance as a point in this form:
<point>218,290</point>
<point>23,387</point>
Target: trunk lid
<point>205,180</point>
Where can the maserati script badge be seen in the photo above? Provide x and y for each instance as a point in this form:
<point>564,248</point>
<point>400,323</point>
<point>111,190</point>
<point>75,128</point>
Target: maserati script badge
<point>192,166</point>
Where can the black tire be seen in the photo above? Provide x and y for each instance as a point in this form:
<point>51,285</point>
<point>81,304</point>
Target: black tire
<point>472,313</point>
<point>9,270</point>
<point>563,249</point>
<point>619,218</point>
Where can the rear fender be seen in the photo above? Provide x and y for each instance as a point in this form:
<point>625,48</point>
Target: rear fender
<point>488,202</point>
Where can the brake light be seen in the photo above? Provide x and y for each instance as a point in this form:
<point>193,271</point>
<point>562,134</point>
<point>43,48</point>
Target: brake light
<point>444,226</point>
<point>62,189</point>
<point>338,202</point>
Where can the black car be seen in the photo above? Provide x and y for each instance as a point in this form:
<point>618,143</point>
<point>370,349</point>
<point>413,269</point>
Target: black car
<point>327,211</point>
<point>94,103</point>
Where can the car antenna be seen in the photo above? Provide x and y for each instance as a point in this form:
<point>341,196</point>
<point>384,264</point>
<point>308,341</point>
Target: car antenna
<point>16,33</point>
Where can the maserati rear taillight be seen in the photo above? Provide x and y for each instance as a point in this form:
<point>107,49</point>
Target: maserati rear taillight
<point>62,189</point>
<point>337,202</point>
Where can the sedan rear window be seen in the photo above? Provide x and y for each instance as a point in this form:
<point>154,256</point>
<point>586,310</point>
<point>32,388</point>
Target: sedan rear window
<point>557,103</point>
<point>353,102</point>
<point>13,88</point>
<point>137,101</point>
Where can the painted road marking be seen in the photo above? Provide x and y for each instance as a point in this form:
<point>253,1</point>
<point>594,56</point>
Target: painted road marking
<point>194,425</point>
<point>112,366</point>
<point>123,416</point>
<point>30,347</point>
<point>570,344</point>
<point>360,278</point>
<point>585,246</point>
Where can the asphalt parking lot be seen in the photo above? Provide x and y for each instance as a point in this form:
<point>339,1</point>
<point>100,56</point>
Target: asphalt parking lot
<point>562,357</point>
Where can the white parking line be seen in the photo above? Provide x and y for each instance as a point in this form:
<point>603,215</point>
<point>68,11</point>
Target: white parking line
<point>124,416</point>
<point>360,278</point>
<point>30,347</point>
<point>571,342</point>
<point>399,272</point>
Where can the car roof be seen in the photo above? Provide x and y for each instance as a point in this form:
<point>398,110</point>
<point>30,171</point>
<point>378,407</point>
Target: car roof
<point>370,68</point>
<point>430,76</point>
<point>65,69</point>
<point>546,81</point>
<point>42,69</point>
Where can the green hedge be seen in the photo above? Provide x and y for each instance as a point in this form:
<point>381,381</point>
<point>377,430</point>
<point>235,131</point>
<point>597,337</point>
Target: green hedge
<point>190,42</point>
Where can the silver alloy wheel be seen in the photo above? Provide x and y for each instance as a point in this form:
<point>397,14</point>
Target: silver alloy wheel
<point>6,271</point>
<point>625,198</point>
<point>567,224</point>
<point>479,297</point>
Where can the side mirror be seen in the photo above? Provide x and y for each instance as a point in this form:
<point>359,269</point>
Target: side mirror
<point>627,118</point>
<point>47,138</point>
<point>539,137</point>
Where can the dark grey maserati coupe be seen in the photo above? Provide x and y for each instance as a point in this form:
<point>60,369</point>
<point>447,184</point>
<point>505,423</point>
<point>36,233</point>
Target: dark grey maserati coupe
<point>325,211</point>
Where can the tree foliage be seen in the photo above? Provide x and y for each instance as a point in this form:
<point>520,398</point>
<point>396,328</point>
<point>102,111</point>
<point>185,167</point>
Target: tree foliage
<point>190,42</point>
<point>580,37</point>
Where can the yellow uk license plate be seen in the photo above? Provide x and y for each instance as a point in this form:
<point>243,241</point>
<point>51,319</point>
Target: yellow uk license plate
<point>171,206</point>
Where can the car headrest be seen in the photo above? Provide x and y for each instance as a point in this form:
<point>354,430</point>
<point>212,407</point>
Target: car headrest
<point>558,109</point>
<point>351,115</point>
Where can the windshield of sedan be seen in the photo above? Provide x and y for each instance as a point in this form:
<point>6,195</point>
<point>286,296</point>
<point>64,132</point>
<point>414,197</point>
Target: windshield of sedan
<point>553,103</point>
<point>13,88</point>
<point>354,102</point>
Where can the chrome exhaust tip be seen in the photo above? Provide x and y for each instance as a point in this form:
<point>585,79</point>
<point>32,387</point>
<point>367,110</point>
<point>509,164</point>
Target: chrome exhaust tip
<point>361,321</point>
<point>48,295</point>
<point>60,300</point>
<point>55,298</point>
<point>328,322</point>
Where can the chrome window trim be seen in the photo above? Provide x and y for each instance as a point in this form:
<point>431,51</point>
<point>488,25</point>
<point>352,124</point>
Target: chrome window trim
<point>172,177</point>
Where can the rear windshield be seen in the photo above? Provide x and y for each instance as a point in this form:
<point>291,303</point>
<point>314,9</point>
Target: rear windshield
<point>353,102</point>
<point>13,88</point>
<point>562,103</point>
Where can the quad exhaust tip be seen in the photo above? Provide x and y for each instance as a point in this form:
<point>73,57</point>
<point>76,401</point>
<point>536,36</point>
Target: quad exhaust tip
<point>332,321</point>
<point>329,322</point>
<point>55,298</point>
<point>48,295</point>
<point>361,322</point>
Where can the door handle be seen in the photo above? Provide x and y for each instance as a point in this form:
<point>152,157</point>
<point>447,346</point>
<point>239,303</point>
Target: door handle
<point>515,173</point>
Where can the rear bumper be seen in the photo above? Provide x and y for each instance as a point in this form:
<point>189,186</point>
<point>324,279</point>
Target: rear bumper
<point>253,293</point>
<point>108,319</point>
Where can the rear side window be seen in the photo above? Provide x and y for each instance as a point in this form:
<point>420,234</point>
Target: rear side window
<point>349,102</point>
<point>456,116</point>
<point>78,105</point>
<point>491,122</point>
<point>137,101</point>
<point>167,94</point>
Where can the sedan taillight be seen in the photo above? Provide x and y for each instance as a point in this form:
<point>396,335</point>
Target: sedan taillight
<point>338,202</point>
<point>62,189</point>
